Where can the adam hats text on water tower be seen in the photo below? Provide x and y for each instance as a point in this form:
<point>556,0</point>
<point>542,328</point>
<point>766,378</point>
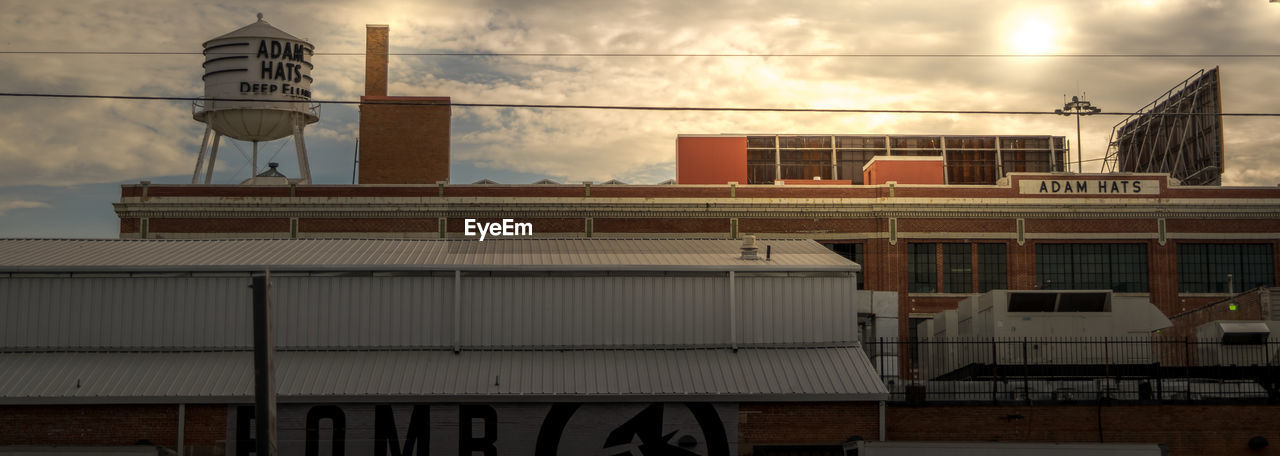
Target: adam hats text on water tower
<point>257,88</point>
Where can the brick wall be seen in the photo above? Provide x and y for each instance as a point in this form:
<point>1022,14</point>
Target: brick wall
<point>1249,307</point>
<point>376,45</point>
<point>809,225</point>
<point>113,425</point>
<point>368,225</point>
<point>950,225</point>
<point>219,225</point>
<point>404,140</point>
<point>661,225</point>
<point>1184,429</point>
<point>805,423</point>
<point>130,225</point>
<point>1090,226</point>
<point>540,225</point>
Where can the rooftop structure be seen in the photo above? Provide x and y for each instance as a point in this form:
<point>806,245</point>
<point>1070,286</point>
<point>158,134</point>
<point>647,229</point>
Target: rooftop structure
<point>1179,133</point>
<point>672,333</point>
<point>766,159</point>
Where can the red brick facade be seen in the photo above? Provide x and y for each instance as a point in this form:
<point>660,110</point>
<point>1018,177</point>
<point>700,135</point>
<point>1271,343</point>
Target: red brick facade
<point>1187,430</point>
<point>884,220</point>
<point>219,225</point>
<point>113,425</point>
<point>805,423</point>
<point>405,140</point>
<point>1184,429</point>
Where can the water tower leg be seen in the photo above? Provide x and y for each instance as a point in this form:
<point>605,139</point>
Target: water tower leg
<point>254,173</point>
<point>213,157</point>
<point>304,167</point>
<point>204,144</point>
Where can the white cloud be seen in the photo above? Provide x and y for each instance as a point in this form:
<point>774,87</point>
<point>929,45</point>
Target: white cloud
<point>10,205</point>
<point>44,141</point>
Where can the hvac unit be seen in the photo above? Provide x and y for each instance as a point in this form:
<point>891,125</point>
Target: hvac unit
<point>1237,343</point>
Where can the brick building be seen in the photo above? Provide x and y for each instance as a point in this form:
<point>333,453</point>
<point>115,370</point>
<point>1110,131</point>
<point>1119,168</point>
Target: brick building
<point>934,245</point>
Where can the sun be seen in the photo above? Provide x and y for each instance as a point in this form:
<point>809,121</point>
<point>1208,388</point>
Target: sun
<point>1031,34</point>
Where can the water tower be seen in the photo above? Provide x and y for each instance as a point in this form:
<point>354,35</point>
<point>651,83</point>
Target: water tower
<point>257,87</point>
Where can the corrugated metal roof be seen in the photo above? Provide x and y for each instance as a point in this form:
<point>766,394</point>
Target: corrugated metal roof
<point>71,255</point>
<point>762,374</point>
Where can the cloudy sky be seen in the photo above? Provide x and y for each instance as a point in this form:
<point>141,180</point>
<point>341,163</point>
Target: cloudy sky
<point>62,161</point>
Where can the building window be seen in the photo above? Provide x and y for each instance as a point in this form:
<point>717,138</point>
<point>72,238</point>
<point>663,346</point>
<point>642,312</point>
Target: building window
<point>922,263</point>
<point>957,268</point>
<point>921,146</point>
<point>849,163</point>
<point>972,160</point>
<point>1117,267</point>
<point>853,152</point>
<point>992,272</point>
<point>761,168</point>
<point>1203,268</point>
<point>805,164</point>
<point>1031,154</point>
<point>853,252</point>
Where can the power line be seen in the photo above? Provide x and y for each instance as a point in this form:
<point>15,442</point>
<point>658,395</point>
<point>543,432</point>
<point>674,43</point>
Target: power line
<point>618,107</point>
<point>710,55</point>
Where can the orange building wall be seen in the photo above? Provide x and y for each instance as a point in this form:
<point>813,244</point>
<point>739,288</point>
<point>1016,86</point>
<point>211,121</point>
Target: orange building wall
<point>711,160</point>
<point>904,171</point>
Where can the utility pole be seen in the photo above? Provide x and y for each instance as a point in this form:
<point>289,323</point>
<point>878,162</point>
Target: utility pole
<point>1077,107</point>
<point>264,369</point>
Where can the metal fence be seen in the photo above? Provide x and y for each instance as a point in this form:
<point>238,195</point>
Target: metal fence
<point>1078,369</point>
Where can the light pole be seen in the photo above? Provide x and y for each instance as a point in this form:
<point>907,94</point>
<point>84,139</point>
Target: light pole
<point>1078,107</point>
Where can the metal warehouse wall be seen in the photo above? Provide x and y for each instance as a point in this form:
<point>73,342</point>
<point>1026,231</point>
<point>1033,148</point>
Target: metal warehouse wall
<point>418,311</point>
<point>115,312</point>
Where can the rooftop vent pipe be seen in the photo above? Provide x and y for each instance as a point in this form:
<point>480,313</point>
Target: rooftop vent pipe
<point>749,248</point>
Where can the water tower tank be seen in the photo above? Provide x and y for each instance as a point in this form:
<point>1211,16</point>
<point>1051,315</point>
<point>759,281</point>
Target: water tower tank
<point>264,64</point>
<point>257,87</point>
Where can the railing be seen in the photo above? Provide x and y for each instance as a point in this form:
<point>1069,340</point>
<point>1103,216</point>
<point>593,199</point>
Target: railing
<point>198,106</point>
<point>1078,369</point>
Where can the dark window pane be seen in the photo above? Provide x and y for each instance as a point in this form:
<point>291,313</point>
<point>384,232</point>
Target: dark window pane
<point>760,156</point>
<point>854,253</point>
<point>761,174</point>
<point>922,268</point>
<point>957,269</point>
<point>992,269</point>
<point>760,141</point>
<point>915,142</point>
<point>761,168</point>
<point>1017,142</point>
<point>1016,161</point>
<point>805,142</point>
<point>972,166</point>
<point>1117,267</point>
<point>871,142</point>
<point>1203,268</point>
<point>850,162</point>
<point>805,164</point>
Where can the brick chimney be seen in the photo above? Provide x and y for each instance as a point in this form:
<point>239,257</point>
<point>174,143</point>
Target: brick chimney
<point>403,140</point>
<point>375,60</point>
